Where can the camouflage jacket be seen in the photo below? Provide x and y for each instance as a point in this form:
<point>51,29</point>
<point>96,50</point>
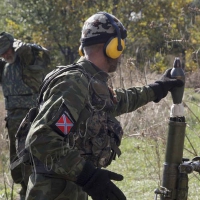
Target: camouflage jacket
<point>21,79</point>
<point>70,127</point>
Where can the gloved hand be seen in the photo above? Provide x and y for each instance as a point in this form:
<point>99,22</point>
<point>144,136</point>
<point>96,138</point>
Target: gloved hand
<point>97,183</point>
<point>165,84</point>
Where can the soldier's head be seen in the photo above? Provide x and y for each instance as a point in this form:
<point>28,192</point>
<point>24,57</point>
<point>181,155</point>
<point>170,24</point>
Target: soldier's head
<point>6,47</point>
<point>103,28</point>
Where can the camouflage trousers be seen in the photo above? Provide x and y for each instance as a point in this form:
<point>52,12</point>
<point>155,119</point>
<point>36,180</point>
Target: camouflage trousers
<point>21,173</point>
<point>41,187</point>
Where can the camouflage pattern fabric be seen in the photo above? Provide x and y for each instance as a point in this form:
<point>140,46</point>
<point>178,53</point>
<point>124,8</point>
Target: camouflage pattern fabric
<point>6,40</point>
<point>20,83</point>
<point>99,29</point>
<point>2,65</point>
<point>17,94</point>
<point>21,80</point>
<point>20,174</point>
<point>64,154</point>
<point>41,187</point>
<point>36,61</point>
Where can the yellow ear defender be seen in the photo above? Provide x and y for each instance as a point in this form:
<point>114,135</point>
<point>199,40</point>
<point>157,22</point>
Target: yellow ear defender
<point>111,48</point>
<point>114,47</point>
<point>80,50</point>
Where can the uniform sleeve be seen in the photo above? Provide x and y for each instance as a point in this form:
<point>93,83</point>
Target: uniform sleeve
<point>32,55</point>
<point>55,150</point>
<point>24,52</point>
<point>132,98</point>
<point>35,62</point>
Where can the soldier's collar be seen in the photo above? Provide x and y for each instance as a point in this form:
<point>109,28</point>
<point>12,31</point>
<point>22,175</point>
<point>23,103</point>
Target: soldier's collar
<point>93,69</point>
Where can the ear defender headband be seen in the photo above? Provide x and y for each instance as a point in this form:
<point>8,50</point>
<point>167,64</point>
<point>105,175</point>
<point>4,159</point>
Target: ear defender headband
<point>114,47</point>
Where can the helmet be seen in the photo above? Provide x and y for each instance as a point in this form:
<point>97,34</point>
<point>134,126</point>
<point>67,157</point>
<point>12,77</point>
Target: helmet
<point>105,28</point>
<point>100,27</point>
<point>6,40</point>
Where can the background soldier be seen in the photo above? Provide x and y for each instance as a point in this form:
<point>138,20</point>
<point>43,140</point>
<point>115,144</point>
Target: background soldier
<point>22,69</point>
<point>75,133</point>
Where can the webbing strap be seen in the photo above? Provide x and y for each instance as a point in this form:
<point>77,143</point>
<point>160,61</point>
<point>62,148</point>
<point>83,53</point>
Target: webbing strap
<point>52,76</point>
<point>20,160</point>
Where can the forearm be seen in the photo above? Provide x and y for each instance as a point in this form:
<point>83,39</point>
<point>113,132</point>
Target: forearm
<point>133,98</point>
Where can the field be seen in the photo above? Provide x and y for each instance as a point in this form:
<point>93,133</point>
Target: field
<point>143,146</point>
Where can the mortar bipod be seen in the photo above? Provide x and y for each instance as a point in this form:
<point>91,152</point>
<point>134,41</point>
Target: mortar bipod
<point>190,166</point>
<point>186,167</point>
<point>162,191</point>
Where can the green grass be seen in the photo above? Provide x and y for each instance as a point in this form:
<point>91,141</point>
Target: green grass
<point>142,158</point>
<point>141,162</point>
<point>140,168</point>
<point>192,114</point>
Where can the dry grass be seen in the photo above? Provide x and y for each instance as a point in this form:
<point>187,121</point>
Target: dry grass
<point>146,132</point>
<point>5,178</point>
<point>3,134</point>
<point>147,125</point>
<point>149,120</point>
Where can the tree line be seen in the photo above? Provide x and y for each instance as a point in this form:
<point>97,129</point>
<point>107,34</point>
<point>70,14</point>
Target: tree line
<point>156,28</point>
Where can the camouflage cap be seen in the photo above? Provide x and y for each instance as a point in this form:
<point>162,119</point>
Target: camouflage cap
<point>6,40</point>
<point>100,27</point>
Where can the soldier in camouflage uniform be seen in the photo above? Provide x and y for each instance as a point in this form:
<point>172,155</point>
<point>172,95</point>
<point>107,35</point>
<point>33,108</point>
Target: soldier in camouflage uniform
<point>75,134</point>
<point>22,69</point>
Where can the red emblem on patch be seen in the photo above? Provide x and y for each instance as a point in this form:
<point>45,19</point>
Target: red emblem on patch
<point>64,124</point>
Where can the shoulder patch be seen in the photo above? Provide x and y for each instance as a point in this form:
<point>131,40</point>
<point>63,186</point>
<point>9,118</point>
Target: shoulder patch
<point>63,122</point>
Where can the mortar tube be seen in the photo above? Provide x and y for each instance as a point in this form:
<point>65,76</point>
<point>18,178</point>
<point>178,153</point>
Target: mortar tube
<point>173,157</point>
